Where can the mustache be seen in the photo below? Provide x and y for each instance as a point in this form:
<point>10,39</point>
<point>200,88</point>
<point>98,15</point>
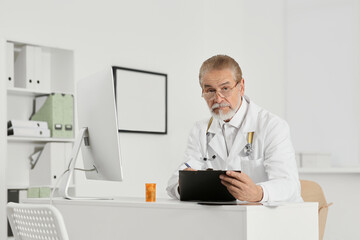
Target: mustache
<point>218,105</point>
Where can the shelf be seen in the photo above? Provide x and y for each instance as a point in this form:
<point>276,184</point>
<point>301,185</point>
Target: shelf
<point>331,170</point>
<point>20,187</point>
<point>28,92</point>
<point>36,139</point>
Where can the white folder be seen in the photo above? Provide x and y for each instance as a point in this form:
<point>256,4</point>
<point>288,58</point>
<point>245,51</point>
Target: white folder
<point>51,163</point>
<point>45,83</point>
<point>10,64</point>
<point>29,132</point>
<point>24,68</point>
<point>27,124</point>
<point>37,68</point>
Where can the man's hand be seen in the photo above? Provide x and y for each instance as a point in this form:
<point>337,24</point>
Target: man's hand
<point>241,186</point>
<point>189,169</point>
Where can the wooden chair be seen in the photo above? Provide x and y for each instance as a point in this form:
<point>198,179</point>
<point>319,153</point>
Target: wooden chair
<point>312,192</point>
<point>36,221</point>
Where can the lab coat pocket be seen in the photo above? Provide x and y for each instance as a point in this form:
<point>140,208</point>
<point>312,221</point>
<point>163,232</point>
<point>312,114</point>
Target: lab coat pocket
<point>254,169</point>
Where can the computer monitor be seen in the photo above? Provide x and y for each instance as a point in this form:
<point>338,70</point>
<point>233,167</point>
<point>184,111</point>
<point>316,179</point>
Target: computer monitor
<point>98,137</point>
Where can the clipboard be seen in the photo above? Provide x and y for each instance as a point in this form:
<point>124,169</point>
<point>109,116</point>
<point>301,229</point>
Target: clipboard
<point>203,185</point>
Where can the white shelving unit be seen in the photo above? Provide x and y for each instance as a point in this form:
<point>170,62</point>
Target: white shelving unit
<point>25,92</point>
<point>17,103</point>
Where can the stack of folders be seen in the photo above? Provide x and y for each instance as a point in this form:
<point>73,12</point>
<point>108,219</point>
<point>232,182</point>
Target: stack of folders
<point>57,109</point>
<point>20,128</point>
<point>32,68</point>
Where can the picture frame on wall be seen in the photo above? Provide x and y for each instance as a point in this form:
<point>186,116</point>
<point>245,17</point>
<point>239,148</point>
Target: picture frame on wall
<point>141,100</point>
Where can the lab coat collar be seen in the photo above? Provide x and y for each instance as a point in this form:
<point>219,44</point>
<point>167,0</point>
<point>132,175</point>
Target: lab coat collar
<point>217,143</point>
<point>216,139</point>
<point>251,117</point>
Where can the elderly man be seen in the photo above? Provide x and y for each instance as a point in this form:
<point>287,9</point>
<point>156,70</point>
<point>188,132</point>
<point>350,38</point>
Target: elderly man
<point>240,136</point>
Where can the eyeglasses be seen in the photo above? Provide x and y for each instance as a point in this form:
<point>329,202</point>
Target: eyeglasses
<point>224,92</point>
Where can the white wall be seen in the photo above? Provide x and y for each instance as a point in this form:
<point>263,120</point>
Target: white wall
<point>173,37</point>
<point>253,33</point>
<point>322,94</point>
<point>322,99</point>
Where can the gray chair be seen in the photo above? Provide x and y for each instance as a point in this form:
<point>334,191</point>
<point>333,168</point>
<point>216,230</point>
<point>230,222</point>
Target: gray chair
<point>36,221</point>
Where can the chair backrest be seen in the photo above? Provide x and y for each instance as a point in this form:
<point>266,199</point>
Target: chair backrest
<point>36,221</point>
<point>312,192</point>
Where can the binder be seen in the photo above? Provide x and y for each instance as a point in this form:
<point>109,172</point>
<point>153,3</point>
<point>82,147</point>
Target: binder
<point>68,115</point>
<point>44,192</point>
<point>51,163</point>
<point>33,192</point>
<point>39,192</point>
<point>45,83</point>
<point>38,81</point>
<point>24,68</point>
<point>58,111</point>
<point>10,64</point>
<point>27,124</point>
<point>29,132</point>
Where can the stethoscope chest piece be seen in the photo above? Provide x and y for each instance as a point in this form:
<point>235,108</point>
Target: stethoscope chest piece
<point>248,147</point>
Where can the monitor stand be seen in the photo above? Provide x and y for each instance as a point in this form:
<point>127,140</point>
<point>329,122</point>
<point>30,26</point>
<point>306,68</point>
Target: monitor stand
<point>68,175</point>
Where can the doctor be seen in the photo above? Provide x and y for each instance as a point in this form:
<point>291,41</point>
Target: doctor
<point>240,136</point>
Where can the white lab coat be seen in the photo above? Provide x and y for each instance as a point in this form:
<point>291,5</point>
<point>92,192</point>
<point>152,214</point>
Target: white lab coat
<point>271,165</point>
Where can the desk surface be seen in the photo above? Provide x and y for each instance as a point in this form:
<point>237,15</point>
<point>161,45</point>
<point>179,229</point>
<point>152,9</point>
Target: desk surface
<point>169,203</point>
<point>133,218</point>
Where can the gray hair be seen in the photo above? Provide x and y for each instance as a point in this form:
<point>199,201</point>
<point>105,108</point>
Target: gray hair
<point>219,62</point>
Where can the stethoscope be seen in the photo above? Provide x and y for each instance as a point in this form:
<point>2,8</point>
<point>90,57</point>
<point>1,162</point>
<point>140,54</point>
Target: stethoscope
<point>248,149</point>
<point>213,157</point>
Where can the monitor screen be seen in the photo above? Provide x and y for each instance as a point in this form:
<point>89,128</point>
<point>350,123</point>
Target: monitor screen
<point>98,135</point>
<point>96,109</point>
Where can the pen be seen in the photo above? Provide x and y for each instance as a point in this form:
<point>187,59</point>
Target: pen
<point>187,165</point>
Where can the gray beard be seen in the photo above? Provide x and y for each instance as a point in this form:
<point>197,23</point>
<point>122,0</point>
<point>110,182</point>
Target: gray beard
<point>231,113</point>
<point>222,116</point>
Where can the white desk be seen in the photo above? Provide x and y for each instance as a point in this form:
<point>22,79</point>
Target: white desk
<point>133,218</point>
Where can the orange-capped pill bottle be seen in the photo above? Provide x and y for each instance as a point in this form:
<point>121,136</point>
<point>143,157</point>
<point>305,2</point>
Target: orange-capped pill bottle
<point>150,189</point>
